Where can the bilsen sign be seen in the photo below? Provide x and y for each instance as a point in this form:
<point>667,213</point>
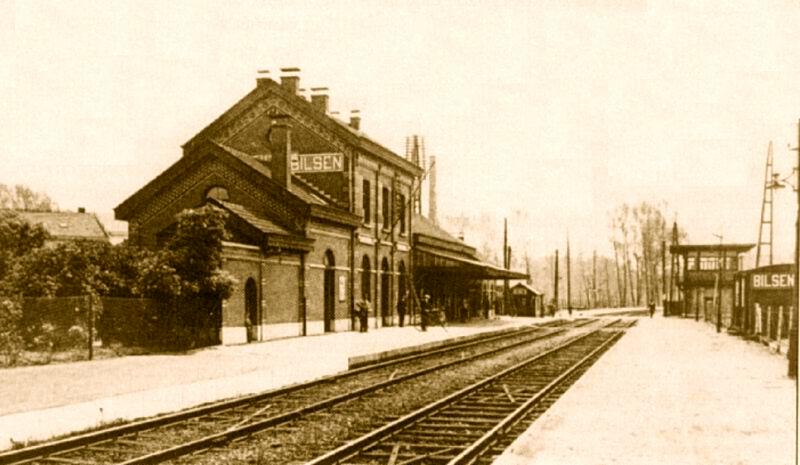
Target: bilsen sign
<point>773,281</point>
<point>317,162</point>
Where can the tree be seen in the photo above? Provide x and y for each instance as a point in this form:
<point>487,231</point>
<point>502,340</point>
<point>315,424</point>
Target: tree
<point>17,238</point>
<point>24,198</point>
<point>188,275</point>
<point>639,231</point>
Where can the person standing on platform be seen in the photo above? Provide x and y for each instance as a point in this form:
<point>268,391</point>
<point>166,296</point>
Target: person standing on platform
<point>652,308</point>
<point>363,315</point>
<point>425,308</point>
<point>464,310</point>
<point>401,307</point>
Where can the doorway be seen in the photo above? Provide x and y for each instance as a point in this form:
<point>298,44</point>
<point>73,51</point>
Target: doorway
<point>329,291</point>
<point>251,320</point>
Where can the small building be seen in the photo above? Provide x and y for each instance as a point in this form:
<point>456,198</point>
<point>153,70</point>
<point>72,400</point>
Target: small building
<point>705,279</point>
<point>526,301</point>
<point>763,302</point>
<point>68,226</point>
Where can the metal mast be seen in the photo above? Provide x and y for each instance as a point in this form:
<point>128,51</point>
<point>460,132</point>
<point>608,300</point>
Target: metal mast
<point>770,182</point>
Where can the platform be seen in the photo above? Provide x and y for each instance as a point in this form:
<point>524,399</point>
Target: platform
<point>670,391</point>
<point>40,402</point>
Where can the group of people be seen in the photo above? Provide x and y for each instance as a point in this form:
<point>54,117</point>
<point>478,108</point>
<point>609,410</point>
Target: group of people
<point>363,310</point>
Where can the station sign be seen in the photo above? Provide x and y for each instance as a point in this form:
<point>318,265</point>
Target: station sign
<point>317,162</point>
<point>774,280</point>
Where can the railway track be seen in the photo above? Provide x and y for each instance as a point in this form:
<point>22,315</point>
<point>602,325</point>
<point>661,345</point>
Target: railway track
<point>211,425</point>
<point>476,423</point>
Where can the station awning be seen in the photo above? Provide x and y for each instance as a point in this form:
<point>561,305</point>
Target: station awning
<point>455,264</point>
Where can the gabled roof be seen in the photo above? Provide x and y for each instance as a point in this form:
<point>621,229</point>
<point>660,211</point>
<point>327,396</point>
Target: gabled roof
<point>68,225</point>
<point>527,287</point>
<point>125,210</point>
<point>267,87</point>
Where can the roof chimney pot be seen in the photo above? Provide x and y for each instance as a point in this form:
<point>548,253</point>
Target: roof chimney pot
<point>319,99</point>
<point>355,120</point>
<point>290,80</point>
<point>262,77</point>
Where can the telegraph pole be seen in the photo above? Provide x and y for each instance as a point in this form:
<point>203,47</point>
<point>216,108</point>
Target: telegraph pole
<point>793,330</point>
<point>569,284</point>
<point>593,304</point>
<point>555,284</point>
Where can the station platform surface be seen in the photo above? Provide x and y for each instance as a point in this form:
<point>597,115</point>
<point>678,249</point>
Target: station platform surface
<point>670,391</point>
<point>40,402</point>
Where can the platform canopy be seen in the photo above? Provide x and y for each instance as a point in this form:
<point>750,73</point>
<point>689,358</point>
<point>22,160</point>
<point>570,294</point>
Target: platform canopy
<point>432,260</point>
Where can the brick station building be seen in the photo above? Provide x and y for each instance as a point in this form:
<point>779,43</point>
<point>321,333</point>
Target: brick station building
<point>316,209</point>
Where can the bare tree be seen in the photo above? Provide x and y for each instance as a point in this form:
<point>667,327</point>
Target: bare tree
<point>24,198</point>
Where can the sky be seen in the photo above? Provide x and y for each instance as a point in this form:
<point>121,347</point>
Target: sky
<point>562,110</point>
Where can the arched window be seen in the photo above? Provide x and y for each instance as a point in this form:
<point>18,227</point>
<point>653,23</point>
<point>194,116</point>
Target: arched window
<point>217,193</point>
<point>366,279</point>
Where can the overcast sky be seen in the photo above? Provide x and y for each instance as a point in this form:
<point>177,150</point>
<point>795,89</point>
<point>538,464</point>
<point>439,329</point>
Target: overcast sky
<point>559,109</point>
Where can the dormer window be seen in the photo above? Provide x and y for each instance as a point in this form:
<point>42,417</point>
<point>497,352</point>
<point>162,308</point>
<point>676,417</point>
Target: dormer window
<point>217,193</point>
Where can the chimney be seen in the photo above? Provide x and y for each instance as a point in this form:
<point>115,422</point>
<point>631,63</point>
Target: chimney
<point>432,191</point>
<point>319,99</point>
<point>355,119</point>
<point>279,138</point>
<point>81,210</point>
<point>262,77</point>
<point>290,80</point>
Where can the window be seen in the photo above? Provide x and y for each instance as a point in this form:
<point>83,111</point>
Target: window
<point>366,282</point>
<point>218,193</point>
<point>365,200</point>
<point>709,263</point>
<point>385,208</point>
<point>401,211</point>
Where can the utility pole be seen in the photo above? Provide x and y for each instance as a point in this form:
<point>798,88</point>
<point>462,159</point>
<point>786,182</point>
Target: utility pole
<point>593,303</point>
<point>555,284</point>
<point>569,283</point>
<point>506,265</point>
<point>718,290</point>
<point>793,330</point>
<point>663,295</point>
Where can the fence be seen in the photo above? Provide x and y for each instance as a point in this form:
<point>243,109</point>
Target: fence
<point>72,328</point>
<point>52,324</point>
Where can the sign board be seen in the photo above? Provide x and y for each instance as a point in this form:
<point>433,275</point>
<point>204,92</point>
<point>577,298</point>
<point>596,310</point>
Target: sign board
<point>342,288</point>
<point>774,280</point>
<point>317,162</point>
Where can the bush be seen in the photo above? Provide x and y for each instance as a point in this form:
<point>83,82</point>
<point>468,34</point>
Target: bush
<point>11,342</point>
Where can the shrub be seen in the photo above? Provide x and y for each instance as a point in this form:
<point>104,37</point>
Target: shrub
<point>11,342</point>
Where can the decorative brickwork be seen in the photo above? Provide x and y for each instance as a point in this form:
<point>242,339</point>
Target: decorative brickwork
<point>178,191</point>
